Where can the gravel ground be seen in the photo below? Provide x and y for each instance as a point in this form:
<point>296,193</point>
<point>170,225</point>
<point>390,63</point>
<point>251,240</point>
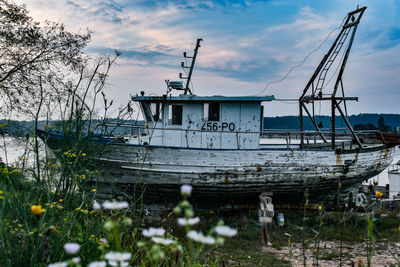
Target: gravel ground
<point>354,254</point>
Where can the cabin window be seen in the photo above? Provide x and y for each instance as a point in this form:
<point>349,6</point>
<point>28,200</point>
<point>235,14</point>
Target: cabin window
<point>211,111</point>
<point>156,111</point>
<point>147,112</point>
<point>151,111</point>
<point>175,114</point>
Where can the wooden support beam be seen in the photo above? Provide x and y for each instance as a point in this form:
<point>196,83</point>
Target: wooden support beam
<point>314,123</point>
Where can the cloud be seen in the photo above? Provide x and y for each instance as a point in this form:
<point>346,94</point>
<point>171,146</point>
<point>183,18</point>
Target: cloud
<point>246,43</point>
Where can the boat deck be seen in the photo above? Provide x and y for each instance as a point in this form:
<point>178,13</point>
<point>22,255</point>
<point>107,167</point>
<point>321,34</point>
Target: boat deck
<point>267,139</point>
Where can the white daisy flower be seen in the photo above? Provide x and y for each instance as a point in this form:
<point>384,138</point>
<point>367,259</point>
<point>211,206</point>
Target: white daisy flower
<point>162,241</point>
<point>208,240</point>
<point>72,248</point>
<point>115,205</point>
<point>186,190</point>
<point>96,205</point>
<point>190,221</point>
<point>118,256</point>
<point>119,264</point>
<point>58,264</point>
<point>199,237</point>
<point>153,232</point>
<point>224,230</point>
<point>194,235</point>
<point>98,264</point>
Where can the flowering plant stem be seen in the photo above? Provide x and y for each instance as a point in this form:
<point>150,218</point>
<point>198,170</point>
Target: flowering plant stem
<point>303,238</point>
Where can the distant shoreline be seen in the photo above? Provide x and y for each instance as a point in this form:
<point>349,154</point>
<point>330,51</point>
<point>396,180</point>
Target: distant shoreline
<point>20,128</point>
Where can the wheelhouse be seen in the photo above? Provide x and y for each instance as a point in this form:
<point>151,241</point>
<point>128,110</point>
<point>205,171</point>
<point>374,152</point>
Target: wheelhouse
<point>213,122</point>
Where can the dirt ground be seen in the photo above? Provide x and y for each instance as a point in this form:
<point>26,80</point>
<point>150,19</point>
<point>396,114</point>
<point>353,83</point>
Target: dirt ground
<point>354,254</point>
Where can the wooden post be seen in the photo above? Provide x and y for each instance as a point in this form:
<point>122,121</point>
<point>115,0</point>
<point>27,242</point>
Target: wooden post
<point>333,123</point>
<point>265,212</point>
<point>301,124</point>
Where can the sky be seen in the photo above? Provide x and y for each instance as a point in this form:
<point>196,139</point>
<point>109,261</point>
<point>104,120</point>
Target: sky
<point>247,45</point>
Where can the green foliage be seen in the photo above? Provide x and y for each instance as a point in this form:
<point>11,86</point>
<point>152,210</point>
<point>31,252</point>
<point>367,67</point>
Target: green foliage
<point>364,120</point>
<point>382,126</point>
<point>37,240</point>
<point>368,126</point>
<point>34,56</point>
<point>12,176</point>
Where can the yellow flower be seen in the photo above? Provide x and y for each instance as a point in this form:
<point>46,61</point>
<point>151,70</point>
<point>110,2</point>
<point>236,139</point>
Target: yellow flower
<point>37,209</point>
<point>315,250</point>
<point>60,200</point>
<point>378,194</point>
<point>83,154</point>
<point>49,127</point>
<point>320,207</point>
<point>1,192</point>
<point>52,229</point>
<point>94,190</point>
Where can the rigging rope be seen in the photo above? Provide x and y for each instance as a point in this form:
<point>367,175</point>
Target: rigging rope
<point>307,56</point>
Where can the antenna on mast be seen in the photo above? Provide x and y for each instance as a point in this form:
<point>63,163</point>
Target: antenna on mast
<point>178,85</point>
<point>188,78</point>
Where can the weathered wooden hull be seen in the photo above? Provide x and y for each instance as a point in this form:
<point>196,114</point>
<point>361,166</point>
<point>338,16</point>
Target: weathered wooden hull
<point>238,175</point>
<point>230,175</point>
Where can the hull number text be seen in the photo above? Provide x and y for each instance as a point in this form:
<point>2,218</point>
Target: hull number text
<point>218,126</point>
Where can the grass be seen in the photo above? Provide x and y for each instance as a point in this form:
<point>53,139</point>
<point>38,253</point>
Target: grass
<point>27,238</point>
<point>37,240</point>
<point>386,228</point>
<point>246,249</point>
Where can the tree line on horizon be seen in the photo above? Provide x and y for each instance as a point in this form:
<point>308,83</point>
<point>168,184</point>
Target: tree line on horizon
<point>372,121</point>
<point>364,121</point>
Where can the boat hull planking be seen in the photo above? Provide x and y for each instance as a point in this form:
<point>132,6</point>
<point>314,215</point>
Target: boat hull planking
<point>238,175</point>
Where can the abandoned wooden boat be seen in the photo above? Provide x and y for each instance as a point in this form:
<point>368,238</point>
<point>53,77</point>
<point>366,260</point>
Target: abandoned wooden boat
<point>218,144</point>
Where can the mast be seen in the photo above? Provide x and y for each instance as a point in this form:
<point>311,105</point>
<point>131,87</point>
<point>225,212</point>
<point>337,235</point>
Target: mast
<point>317,82</point>
<point>188,78</point>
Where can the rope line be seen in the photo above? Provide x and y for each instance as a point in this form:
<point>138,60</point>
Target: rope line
<point>299,65</point>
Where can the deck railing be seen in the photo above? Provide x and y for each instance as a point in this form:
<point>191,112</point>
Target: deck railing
<point>284,138</point>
